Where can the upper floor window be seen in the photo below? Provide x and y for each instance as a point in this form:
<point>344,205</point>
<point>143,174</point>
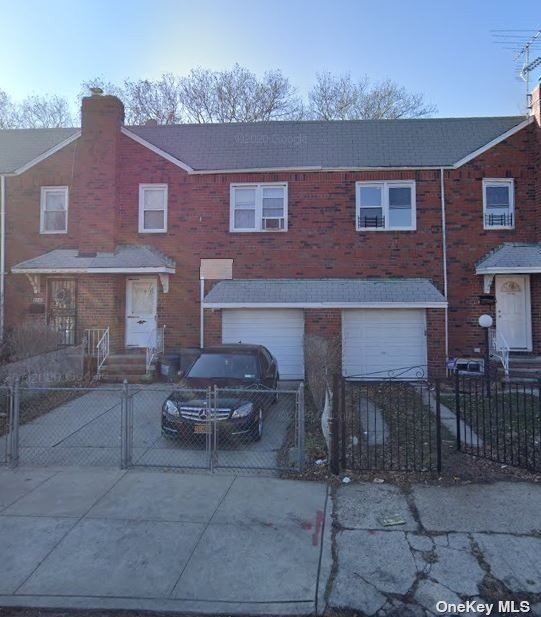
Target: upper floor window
<point>258,207</point>
<point>54,210</point>
<point>386,205</point>
<point>152,208</point>
<point>498,203</point>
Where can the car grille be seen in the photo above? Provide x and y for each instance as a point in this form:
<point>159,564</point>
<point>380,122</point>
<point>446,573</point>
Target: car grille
<point>194,413</point>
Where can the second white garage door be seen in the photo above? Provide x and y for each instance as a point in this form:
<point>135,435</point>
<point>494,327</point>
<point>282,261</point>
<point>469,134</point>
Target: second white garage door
<point>280,330</point>
<point>376,340</point>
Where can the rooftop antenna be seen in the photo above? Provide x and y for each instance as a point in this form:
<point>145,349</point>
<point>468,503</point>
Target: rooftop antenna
<point>514,41</point>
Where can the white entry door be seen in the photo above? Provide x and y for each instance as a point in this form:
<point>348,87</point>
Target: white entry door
<point>141,312</point>
<point>513,313</point>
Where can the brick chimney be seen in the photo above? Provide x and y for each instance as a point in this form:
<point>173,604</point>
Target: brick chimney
<point>536,104</point>
<point>96,176</point>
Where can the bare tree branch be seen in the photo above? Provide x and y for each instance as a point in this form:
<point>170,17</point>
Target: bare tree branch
<point>36,112</point>
<point>7,111</point>
<point>337,97</point>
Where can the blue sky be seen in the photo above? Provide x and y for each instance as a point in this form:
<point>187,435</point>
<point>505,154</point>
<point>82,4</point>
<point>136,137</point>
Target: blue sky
<point>443,49</point>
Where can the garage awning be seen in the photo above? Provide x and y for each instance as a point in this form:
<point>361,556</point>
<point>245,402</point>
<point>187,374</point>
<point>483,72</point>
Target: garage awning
<point>123,260</point>
<point>512,258</point>
<point>325,293</point>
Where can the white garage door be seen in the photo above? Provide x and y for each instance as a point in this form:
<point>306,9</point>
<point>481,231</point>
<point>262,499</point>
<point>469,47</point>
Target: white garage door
<point>280,330</point>
<point>382,340</point>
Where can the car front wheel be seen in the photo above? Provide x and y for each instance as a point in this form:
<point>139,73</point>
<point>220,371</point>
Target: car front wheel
<point>257,431</point>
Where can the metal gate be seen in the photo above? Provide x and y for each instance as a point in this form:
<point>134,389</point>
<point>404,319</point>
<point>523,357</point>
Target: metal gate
<point>213,428</point>
<point>62,309</point>
<point>8,426</point>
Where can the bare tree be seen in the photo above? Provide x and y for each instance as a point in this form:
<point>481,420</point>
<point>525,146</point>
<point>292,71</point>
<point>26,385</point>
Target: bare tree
<point>7,111</point>
<point>237,95</point>
<point>337,97</point>
<point>43,112</point>
<point>144,99</point>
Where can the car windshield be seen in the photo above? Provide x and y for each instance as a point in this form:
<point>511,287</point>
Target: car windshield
<point>224,366</point>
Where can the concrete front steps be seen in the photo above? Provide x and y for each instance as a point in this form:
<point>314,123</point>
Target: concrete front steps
<point>523,368</point>
<point>129,366</point>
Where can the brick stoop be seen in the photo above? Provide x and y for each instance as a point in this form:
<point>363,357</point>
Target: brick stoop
<point>523,368</point>
<point>129,366</point>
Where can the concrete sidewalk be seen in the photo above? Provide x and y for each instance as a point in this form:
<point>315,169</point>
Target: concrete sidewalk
<point>162,541</point>
<point>472,542</point>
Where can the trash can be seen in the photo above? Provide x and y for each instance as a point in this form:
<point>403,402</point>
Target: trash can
<point>170,365</point>
<point>188,355</point>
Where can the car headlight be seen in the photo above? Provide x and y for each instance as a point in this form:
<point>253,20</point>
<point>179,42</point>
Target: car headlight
<point>243,411</point>
<point>171,408</point>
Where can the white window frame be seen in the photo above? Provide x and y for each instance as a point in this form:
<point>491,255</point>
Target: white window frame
<point>142,189</point>
<point>509,182</point>
<point>44,191</point>
<point>385,185</point>
<point>258,206</point>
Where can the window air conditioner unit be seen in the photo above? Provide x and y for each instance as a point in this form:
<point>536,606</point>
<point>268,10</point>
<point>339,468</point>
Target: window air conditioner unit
<point>275,222</point>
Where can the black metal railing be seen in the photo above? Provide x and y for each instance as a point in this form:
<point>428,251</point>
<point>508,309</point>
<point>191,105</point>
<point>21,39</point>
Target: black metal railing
<point>388,425</point>
<point>499,421</point>
<point>371,221</point>
<point>499,220</point>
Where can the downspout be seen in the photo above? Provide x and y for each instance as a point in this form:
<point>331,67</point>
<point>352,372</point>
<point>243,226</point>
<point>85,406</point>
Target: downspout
<point>2,252</point>
<point>444,258</point>
<point>202,316</point>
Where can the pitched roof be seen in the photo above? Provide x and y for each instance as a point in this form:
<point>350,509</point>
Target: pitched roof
<point>20,146</point>
<point>430,142</point>
<point>517,257</point>
<point>324,292</point>
<point>123,259</point>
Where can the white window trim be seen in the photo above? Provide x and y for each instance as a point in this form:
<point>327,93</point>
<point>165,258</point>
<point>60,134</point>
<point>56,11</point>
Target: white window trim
<point>386,184</point>
<point>510,182</point>
<point>44,191</point>
<point>142,188</point>
<point>258,186</point>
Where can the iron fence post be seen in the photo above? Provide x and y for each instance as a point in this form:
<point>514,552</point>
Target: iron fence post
<point>9,441</point>
<point>438,425</point>
<point>15,425</point>
<point>124,426</point>
<point>300,415</point>
<point>334,454</point>
<point>457,410</point>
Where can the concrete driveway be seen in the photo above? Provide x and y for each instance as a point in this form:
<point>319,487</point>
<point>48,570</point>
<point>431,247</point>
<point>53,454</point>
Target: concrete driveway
<point>162,541</point>
<point>86,431</point>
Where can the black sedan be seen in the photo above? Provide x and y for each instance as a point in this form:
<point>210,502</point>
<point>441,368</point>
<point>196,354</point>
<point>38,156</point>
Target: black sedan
<point>246,377</point>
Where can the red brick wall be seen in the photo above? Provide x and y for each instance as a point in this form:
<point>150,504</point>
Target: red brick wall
<point>468,242</point>
<point>213,328</point>
<point>435,326</point>
<point>321,240</point>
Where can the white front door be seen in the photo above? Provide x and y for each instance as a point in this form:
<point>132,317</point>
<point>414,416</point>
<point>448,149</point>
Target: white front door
<point>141,312</point>
<point>513,313</point>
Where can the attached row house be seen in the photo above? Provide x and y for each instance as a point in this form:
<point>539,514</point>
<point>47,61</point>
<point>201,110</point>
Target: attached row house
<point>390,237</point>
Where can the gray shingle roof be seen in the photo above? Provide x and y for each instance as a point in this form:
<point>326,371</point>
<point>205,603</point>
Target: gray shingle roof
<point>20,146</point>
<point>124,258</point>
<point>339,292</point>
<point>429,142</point>
<point>355,143</point>
<point>515,256</point>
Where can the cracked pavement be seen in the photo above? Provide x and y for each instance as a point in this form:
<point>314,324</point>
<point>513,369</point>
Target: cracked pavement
<point>473,542</point>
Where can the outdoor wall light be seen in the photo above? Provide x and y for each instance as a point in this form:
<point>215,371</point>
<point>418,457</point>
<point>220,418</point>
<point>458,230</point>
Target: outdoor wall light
<point>485,321</point>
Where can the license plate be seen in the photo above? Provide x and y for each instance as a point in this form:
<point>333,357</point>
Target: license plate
<point>201,428</point>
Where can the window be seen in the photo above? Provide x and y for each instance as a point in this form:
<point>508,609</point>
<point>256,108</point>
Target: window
<point>152,208</point>
<point>498,203</point>
<point>258,207</point>
<point>386,205</point>
<point>54,210</point>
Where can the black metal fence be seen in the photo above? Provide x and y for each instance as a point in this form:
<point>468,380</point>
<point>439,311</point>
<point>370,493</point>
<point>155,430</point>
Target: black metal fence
<point>499,421</point>
<point>394,425</point>
<point>385,425</point>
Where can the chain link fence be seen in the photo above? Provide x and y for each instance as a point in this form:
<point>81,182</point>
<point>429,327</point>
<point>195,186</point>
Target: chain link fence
<point>156,425</point>
<point>214,428</point>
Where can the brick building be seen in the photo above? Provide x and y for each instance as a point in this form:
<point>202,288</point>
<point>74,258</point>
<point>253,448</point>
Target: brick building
<point>391,237</point>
